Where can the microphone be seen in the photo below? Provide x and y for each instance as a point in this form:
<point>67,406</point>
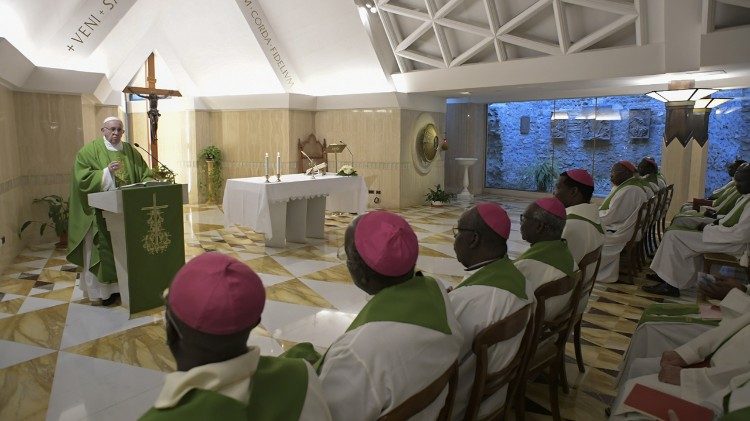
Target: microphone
<point>348,150</point>
<point>159,162</point>
<point>312,163</point>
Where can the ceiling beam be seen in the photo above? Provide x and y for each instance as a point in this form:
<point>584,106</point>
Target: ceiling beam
<point>465,27</point>
<point>641,23</point>
<point>398,10</point>
<point>494,19</point>
<point>562,26</point>
<point>394,38</point>
<point>445,49</point>
<point>602,33</point>
<point>409,40</point>
<point>423,58</point>
<point>471,52</point>
<point>708,16</point>
<point>523,16</point>
<point>606,6</point>
<point>541,46</point>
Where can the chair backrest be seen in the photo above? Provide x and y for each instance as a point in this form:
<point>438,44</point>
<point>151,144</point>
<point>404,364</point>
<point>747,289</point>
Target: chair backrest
<point>661,199</point>
<point>422,399</point>
<point>639,222</point>
<point>649,217</point>
<point>486,384</point>
<point>314,149</point>
<point>544,329</point>
<point>589,279</point>
<point>668,200</point>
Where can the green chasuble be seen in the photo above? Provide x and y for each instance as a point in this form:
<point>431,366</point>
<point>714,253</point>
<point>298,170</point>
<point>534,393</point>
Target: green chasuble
<point>87,178</point>
<point>502,274</point>
<point>632,181</point>
<point>554,253</point>
<point>277,392</point>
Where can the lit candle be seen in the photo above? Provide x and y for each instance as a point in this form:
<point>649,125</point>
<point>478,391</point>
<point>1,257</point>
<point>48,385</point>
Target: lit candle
<point>266,164</point>
<point>278,163</point>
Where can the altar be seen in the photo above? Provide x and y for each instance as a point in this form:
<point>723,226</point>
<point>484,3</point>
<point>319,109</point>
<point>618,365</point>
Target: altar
<point>294,208</point>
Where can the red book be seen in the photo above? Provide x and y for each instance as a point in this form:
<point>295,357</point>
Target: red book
<point>655,403</point>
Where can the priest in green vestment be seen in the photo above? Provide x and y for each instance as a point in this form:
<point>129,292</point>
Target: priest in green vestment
<point>101,165</point>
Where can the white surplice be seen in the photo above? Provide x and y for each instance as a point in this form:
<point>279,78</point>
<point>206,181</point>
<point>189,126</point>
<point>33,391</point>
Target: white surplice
<point>725,347</point>
<point>539,273</point>
<point>583,237</point>
<point>372,369</point>
<point>618,222</point>
<point>680,254</point>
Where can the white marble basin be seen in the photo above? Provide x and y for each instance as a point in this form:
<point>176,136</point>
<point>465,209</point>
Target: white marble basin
<point>466,162</point>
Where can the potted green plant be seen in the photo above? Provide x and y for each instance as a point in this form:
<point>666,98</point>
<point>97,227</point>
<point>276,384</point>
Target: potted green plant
<point>57,211</point>
<point>438,196</point>
<point>545,175</point>
<point>212,179</point>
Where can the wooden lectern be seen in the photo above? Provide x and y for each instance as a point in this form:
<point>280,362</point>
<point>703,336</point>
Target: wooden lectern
<point>145,224</point>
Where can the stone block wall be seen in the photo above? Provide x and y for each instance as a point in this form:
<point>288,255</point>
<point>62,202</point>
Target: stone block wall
<point>728,136</point>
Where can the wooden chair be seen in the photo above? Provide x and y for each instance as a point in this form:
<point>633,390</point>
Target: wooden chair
<point>426,396</point>
<point>645,225</point>
<point>663,217</point>
<point>630,251</point>
<point>547,348</point>
<point>314,149</point>
<point>653,242</point>
<point>587,285</point>
<point>487,384</point>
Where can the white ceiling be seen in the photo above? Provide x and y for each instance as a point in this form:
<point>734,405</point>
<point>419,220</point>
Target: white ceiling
<point>209,49</point>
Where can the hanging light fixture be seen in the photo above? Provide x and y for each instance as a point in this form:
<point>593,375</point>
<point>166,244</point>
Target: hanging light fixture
<point>681,95</point>
<point>708,103</point>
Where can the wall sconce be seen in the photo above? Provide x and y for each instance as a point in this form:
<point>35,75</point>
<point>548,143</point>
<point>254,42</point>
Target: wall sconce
<point>687,111</point>
<point>681,95</point>
<point>708,103</point>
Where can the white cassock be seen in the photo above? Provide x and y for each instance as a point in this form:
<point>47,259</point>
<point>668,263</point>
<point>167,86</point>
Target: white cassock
<point>618,222</point>
<point>652,338</point>
<point>538,273</point>
<point>370,370</point>
<point>680,254</point>
<point>476,307</point>
<point>734,399</point>
<point>89,284</point>
<point>726,349</point>
<point>583,235</point>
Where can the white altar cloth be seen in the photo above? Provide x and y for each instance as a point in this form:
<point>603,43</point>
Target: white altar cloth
<point>248,201</point>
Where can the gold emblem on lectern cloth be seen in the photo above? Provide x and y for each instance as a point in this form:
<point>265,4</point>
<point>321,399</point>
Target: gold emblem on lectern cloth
<point>157,239</point>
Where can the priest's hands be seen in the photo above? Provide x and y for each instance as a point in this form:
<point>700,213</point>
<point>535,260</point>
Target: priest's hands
<point>671,366</point>
<point>114,166</point>
<point>670,374</point>
<point>721,287</point>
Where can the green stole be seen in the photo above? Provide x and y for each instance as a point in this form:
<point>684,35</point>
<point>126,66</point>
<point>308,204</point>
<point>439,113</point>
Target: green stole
<point>501,274</point>
<point>87,178</point>
<point>277,392</point>
<point>418,301</point>
<point>726,201</point>
<point>554,253</point>
<point>738,415</point>
<point>722,190</point>
<point>632,181</point>
<point>581,218</point>
<point>733,216</point>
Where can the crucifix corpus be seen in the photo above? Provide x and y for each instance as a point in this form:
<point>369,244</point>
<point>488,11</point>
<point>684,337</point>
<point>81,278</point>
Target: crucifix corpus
<point>153,95</point>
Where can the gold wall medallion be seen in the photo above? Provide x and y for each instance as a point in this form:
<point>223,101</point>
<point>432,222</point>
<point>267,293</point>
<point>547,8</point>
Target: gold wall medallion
<point>157,240</point>
<point>428,143</point>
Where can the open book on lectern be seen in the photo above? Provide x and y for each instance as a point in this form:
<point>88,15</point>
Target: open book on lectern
<point>144,184</point>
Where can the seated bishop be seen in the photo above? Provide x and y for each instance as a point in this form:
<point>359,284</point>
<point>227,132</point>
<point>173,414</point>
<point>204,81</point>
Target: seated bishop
<point>496,290</point>
<point>405,337</point>
<point>211,307</point>
<point>548,258</point>
<point>648,169</point>
<point>618,214</point>
<point>680,254</point>
<point>583,229</point>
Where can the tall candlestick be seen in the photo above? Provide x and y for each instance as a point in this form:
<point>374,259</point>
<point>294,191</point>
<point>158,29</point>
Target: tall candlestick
<point>266,165</point>
<point>278,163</point>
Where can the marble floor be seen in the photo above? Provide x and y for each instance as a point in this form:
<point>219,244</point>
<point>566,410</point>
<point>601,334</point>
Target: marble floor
<point>63,359</point>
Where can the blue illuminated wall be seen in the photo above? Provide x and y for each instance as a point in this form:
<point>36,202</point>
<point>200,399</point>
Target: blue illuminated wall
<point>728,136</point>
<point>512,155</point>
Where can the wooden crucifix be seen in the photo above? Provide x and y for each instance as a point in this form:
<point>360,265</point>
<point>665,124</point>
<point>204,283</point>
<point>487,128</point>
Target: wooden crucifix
<point>153,95</point>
